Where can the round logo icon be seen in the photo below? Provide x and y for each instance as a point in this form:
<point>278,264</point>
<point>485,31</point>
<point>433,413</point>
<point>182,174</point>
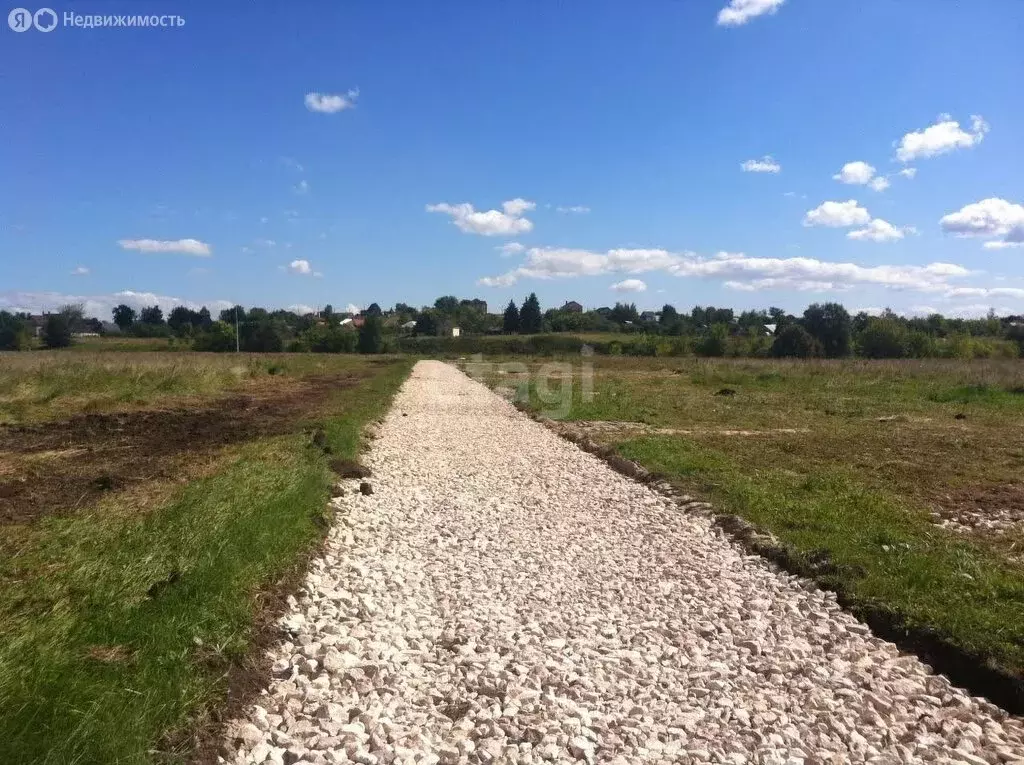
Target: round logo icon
<point>45,20</point>
<point>20,19</point>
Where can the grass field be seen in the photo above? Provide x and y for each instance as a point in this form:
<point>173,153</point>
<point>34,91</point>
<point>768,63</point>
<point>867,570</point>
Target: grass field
<point>55,384</point>
<point>148,505</point>
<point>853,462</point>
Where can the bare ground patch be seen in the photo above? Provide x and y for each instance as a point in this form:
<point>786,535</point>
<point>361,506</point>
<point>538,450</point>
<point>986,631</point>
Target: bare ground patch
<point>993,512</point>
<point>54,468</point>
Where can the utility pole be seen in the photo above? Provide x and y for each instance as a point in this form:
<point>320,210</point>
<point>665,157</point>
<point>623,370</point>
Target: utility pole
<point>237,347</point>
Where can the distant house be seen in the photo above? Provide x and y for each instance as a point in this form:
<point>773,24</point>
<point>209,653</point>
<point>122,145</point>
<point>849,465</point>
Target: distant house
<point>345,322</point>
<point>353,321</point>
<point>770,328</point>
<point>409,325</point>
<point>456,331</point>
<point>573,307</point>
<point>649,316</point>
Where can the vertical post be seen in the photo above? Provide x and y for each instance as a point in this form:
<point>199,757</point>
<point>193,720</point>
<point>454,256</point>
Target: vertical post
<point>237,346</point>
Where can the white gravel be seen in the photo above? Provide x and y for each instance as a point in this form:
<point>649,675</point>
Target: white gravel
<point>503,597</point>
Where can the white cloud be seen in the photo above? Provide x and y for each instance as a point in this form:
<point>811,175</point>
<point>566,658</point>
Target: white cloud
<point>328,103</point>
<point>879,230</point>
<point>511,248</point>
<point>909,172</point>
<point>100,306</point>
<point>352,308</point>
<point>764,165</point>
<point>837,215</point>
<point>977,310</point>
<point>944,136</point>
<point>301,309</point>
<point>861,174</point>
<point>516,207</point>
<point>630,285</point>
<point>265,243</point>
<point>982,292</point>
<point>737,270</point>
<point>739,12</point>
<point>80,271</point>
<point>505,222</point>
<point>504,280</point>
<point>576,209</point>
<point>302,187</point>
<point>300,267</point>
<point>991,218</point>
<point>855,173</point>
<point>182,246</point>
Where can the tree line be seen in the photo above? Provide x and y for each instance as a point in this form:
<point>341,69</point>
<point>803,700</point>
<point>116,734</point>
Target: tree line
<point>825,330</point>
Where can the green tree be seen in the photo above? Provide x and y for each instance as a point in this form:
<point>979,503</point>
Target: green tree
<point>264,336</point>
<point>1016,334</point>
<point>715,342</point>
<point>510,322</point>
<point>793,341</point>
<point>530,317</point>
<point>373,310</point>
<point>124,317</point>
<point>830,325</point>
<point>218,338</point>
<point>330,338</point>
<point>669,316</point>
<point>202,318</point>
<point>75,315</point>
<point>446,306</point>
<point>371,336</point>
<point>426,324</point>
<point>57,330</point>
<point>14,334</point>
<point>779,317</point>
<point>623,312</point>
<point>884,338</point>
<point>180,320</point>
<point>228,315</point>
<point>152,316</point>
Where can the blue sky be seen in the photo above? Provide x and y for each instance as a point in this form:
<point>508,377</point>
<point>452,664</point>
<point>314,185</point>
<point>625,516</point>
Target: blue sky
<point>346,153</point>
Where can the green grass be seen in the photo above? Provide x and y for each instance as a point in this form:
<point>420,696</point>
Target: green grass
<point>53,384</point>
<point>92,669</point>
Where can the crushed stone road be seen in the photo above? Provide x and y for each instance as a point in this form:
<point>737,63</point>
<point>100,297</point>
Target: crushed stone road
<point>503,597</point>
